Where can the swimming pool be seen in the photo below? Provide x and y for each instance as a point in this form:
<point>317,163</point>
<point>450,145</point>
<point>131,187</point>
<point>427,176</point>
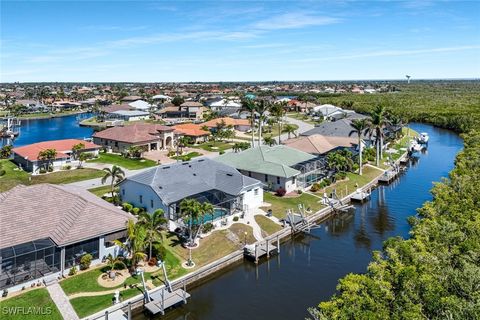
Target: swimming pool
<point>217,213</point>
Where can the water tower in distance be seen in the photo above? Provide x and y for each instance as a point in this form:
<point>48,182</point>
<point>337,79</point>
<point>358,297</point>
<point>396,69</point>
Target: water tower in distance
<point>408,78</point>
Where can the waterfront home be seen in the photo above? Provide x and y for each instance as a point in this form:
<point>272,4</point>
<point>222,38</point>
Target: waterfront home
<point>339,128</point>
<point>277,166</point>
<point>319,145</point>
<point>116,107</point>
<point>47,228</point>
<point>164,187</point>
<point>193,131</point>
<point>225,103</point>
<point>128,115</point>
<point>140,105</point>
<point>238,124</point>
<point>28,157</point>
<point>147,136</point>
<point>184,111</point>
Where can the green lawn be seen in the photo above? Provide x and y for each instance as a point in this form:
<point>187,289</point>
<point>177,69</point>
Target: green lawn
<point>239,230</point>
<point>215,146</point>
<point>100,191</point>
<point>353,181</point>
<point>13,176</point>
<point>275,132</point>
<point>38,300</point>
<point>280,204</point>
<point>187,157</point>
<point>303,117</point>
<point>85,306</point>
<point>131,164</point>
<point>267,225</point>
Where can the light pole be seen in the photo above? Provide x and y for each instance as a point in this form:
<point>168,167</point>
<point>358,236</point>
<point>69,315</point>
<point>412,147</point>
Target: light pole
<point>245,239</point>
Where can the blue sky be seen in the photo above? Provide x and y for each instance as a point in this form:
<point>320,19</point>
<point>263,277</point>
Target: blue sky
<point>238,41</point>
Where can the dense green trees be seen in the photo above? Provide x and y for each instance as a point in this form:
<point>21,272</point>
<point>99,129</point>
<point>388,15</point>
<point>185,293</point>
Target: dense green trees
<point>435,274</point>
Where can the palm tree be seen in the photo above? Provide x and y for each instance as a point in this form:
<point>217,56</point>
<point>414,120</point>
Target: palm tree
<point>47,155</point>
<point>262,106</point>
<point>116,174</point>
<point>376,125</point>
<point>192,209</point>
<point>135,244</point>
<point>250,106</point>
<point>278,111</point>
<point>269,141</point>
<point>153,223</point>
<point>112,262</point>
<point>289,129</point>
<point>359,126</point>
<point>182,143</point>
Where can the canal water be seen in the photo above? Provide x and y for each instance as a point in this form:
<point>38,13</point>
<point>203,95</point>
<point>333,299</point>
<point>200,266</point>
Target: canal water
<point>36,130</point>
<point>309,267</point>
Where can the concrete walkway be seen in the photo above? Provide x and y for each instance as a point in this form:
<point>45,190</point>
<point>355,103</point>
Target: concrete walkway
<point>61,301</point>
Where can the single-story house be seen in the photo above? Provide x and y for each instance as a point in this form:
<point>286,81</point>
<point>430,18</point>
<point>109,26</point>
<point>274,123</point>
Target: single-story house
<point>326,110</point>
<point>238,124</point>
<point>277,166</point>
<point>129,115</point>
<point>225,103</point>
<point>148,136</point>
<point>164,187</point>
<point>140,105</point>
<point>131,98</point>
<point>116,107</point>
<point>339,128</point>
<point>45,229</point>
<point>193,131</point>
<point>319,145</point>
<point>27,157</point>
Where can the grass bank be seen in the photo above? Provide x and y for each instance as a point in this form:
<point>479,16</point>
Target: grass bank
<point>280,204</point>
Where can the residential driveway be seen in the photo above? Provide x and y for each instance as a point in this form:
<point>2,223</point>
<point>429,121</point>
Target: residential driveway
<point>302,127</point>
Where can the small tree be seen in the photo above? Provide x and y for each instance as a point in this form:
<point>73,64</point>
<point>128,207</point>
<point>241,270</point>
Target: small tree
<point>6,151</point>
<point>76,150</point>
<point>178,101</point>
<point>115,174</point>
<point>85,261</point>
<point>48,155</point>
<point>84,156</point>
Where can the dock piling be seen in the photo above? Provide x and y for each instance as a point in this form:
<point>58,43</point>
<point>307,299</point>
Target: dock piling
<point>129,311</point>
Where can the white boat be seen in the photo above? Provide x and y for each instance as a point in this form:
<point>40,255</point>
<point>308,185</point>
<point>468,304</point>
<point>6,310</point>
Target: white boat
<point>414,147</point>
<point>423,138</point>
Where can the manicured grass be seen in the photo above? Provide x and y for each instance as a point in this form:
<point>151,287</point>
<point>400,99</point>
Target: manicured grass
<point>12,176</point>
<point>215,146</point>
<point>100,191</point>
<point>353,182</point>
<point>68,176</point>
<point>280,204</point>
<point>118,160</point>
<point>268,226</point>
<point>239,230</point>
<point>83,282</point>
<point>85,306</point>
<point>37,301</point>
<point>187,157</point>
<point>302,117</point>
<point>275,132</point>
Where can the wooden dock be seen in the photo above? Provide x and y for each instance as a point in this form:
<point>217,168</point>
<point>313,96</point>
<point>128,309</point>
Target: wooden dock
<point>388,176</point>
<point>360,196</point>
<point>260,249</point>
<point>164,299</point>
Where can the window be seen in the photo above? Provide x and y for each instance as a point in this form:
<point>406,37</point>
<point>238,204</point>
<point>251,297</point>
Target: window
<point>151,203</point>
<point>249,173</point>
<point>141,199</point>
<point>266,178</point>
<point>255,192</point>
<point>116,143</point>
<point>294,179</point>
<point>123,192</point>
<point>278,180</point>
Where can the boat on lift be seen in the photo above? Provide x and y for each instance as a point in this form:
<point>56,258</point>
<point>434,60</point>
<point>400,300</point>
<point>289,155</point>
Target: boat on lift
<point>414,147</point>
<point>423,138</point>
<point>9,130</point>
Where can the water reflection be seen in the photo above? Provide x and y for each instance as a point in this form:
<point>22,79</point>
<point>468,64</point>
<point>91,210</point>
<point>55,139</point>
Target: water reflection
<point>381,220</point>
<point>362,237</point>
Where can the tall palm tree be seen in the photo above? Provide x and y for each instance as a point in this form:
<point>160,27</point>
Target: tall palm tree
<point>249,105</point>
<point>115,174</point>
<point>359,127</point>
<point>182,143</point>
<point>376,125</point>
<point>289,129</point>
<point>262,107</point>
<point>278,111</point>
<point>192,209</point>
<point>135,244</point>
<point>153,223</point>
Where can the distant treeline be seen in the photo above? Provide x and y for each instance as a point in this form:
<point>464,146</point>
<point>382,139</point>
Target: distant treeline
<point>436,273</point>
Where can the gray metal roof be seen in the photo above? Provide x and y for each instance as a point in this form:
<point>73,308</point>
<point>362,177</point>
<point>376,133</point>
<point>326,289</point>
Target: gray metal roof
<point>178,181</point>
<point>339,128</point>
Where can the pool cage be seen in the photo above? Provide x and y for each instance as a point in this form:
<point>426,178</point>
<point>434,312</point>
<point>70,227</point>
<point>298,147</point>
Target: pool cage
<point>217,198</point>
<point>28,261</point>
<point>311,172</point>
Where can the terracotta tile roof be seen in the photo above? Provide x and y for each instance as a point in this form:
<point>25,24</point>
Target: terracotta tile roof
<point>133,133</point>
<point>318,144</point>
<point>190,129</point>
<point>31,151</point>
<point>228,121</point>
<point>62,213</point>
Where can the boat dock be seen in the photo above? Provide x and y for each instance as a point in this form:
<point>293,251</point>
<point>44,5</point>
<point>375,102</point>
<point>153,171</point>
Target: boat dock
<point>360,196</point>
<point>264,248</point>
<point>164,299</point>
<point>388,176</point>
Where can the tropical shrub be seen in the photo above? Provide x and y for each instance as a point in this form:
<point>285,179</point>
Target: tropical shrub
<point>2,172</point>
<point>85,261</point>
<point>207,227</point>
<point>73,271</point>
<point>280,192</point>
<point>235,219</point>
<point>315,187</point>
<point>127,207</point>
<point>159,251</point>
<point>135,211</point>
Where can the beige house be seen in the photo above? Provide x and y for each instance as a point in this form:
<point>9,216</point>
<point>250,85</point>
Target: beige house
<point>148,136</point>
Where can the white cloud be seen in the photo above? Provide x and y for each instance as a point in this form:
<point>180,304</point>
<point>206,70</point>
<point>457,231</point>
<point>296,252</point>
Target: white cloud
<point>294,20</point>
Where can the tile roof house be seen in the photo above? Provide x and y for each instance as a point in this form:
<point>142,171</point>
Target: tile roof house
<point>276,166</point>
<point>193,131</point>
<point>148,136</point>
<point>238,124</point>
<point>164,187</point>
<point>47,228</point>
<point>27,157</point>
<point>318,145</point>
